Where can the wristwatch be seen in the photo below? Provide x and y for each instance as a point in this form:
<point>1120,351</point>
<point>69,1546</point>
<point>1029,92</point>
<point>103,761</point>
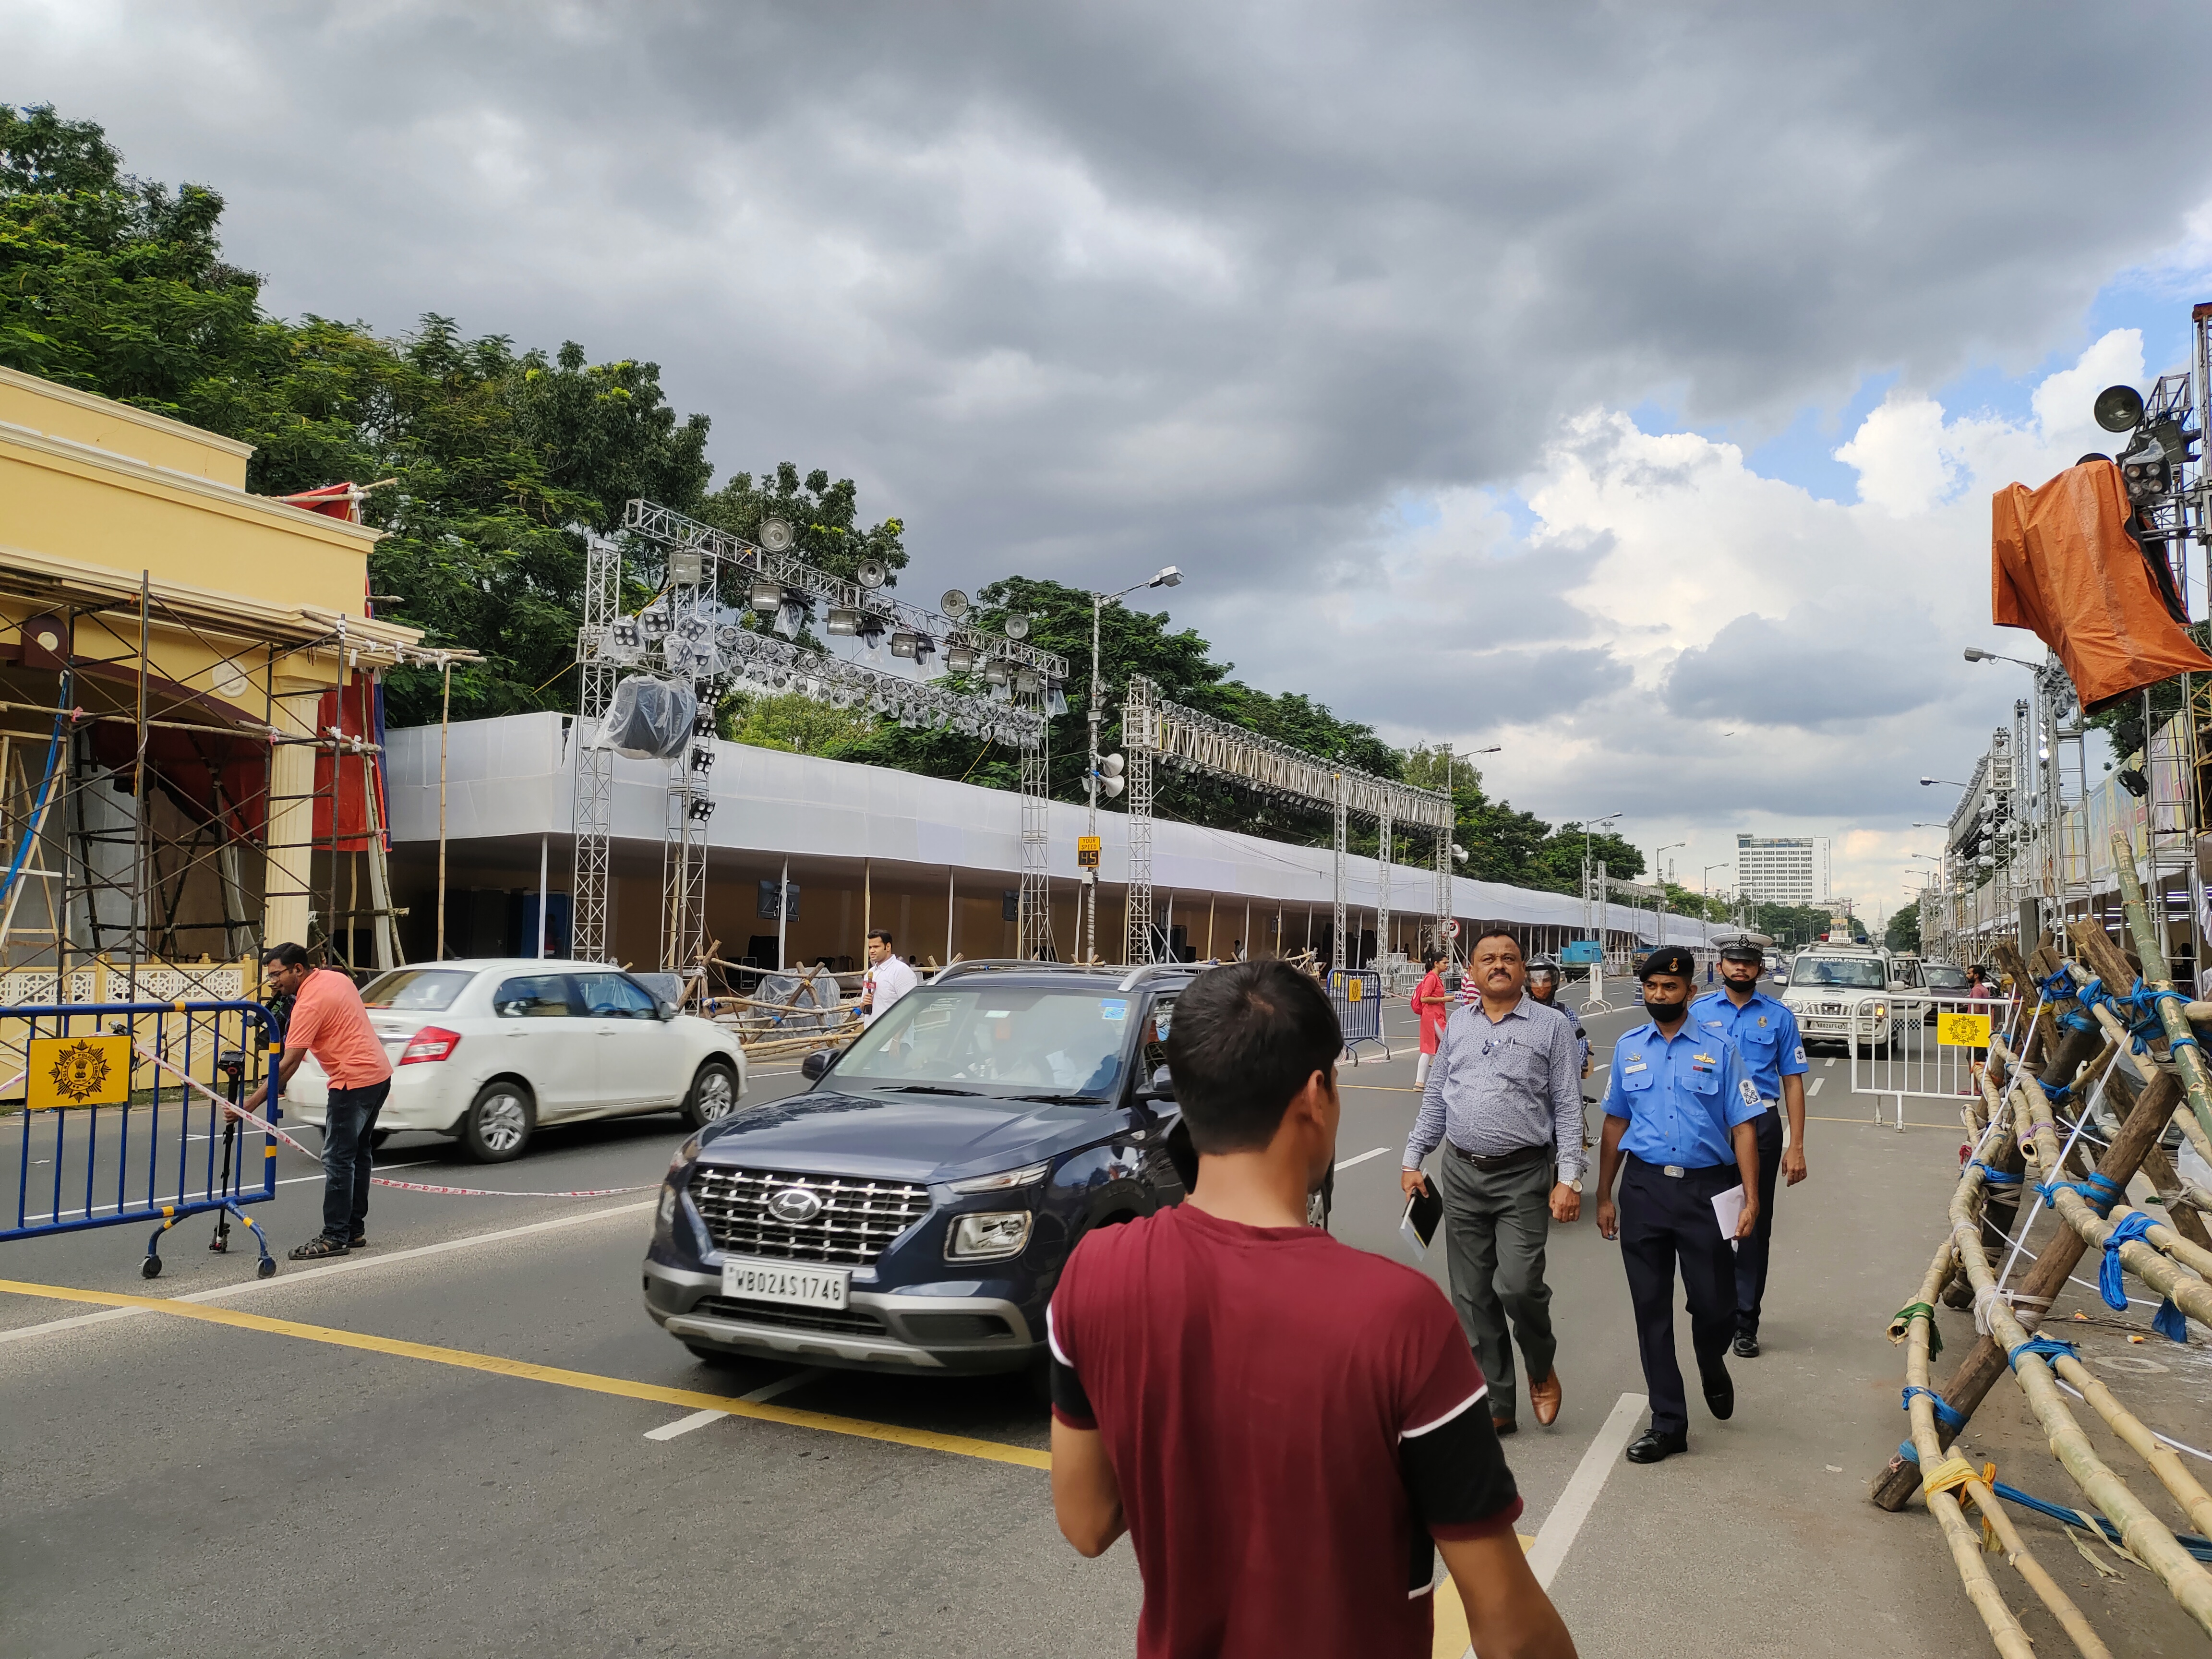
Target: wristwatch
<point>1576,1185</point>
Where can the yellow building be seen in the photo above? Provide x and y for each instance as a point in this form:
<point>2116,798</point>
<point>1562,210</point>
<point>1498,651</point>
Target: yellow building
<point>172,651</point>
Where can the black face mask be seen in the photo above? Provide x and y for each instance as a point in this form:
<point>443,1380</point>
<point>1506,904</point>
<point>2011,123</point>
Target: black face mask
<point>1664,1012</point>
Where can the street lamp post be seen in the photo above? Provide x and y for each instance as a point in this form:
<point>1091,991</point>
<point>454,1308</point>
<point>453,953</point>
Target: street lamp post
<point>1171,577</point>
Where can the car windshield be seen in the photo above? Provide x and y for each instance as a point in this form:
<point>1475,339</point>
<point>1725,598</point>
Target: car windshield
<point>417,990</point>
<point>985,1039</point>
<point>1846,973</point>
<point>1945,979</point>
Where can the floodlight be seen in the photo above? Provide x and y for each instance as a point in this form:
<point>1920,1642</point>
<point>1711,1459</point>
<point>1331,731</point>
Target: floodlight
<point>903,644</point>
<point>701,808</point>
<point>842,622</point>
<point>1017,626</point>
<point>994,672</point>
<point>1170,577</point>
<point>687,567</point>
<point>2146,472</point>
<point>766,596</point>
<point>953,603</point>
<point>872,574</point>
<point>1028,682</point>
<point>958,659</point>
<point>775,535</point>
<point>623,641</point>
<point>841,696</point>
<point>654,621</point>
<point>2118,409</point>
<point>2175,439</point>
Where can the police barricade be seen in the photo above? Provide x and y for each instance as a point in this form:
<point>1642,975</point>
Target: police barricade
<point>1356,993</point>
<point>1920,1045</point>
<point>112,1117</point>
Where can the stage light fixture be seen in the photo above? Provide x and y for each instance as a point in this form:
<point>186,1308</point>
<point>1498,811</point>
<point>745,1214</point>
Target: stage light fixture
<point>994,673</point>
<point>902,645</point>
<point>2146,473</point>
<point>872,574</point>
<point>2118,409</point>
<point>1017,626</point>
<point>842,622</point>
<point>766,596</point>
<point>654,621</point>
<point>1028,682</point>
<point>958,659</point>
<point>953,603</point>
<point>775,535</point>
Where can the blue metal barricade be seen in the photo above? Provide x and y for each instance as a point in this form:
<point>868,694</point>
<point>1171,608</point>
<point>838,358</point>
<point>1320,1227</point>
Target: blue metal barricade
<point>1356,993</point>
<point>114,1115</point>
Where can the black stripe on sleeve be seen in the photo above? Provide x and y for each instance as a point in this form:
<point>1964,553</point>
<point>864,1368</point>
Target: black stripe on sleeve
<point>1455,1473</point>
<point>1070,1404</point>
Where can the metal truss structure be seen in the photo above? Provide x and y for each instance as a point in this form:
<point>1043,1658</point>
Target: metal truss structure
<point>689,633</point>
<point>1196,741</point>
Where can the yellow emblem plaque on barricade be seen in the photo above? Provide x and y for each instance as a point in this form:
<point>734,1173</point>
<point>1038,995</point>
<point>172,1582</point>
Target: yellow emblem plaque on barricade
<point>1354,988</point>
<point>1962,1030</point>
<point>84,1070</point>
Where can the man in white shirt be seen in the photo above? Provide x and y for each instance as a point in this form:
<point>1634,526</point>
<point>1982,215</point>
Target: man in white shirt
<point>889,979</point>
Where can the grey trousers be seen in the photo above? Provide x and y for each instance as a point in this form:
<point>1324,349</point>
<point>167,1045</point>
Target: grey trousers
<point>1496,1225</point>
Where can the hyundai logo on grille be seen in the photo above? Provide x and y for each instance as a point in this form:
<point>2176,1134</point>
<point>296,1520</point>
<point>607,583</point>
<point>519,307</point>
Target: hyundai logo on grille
<point>794,1204</point>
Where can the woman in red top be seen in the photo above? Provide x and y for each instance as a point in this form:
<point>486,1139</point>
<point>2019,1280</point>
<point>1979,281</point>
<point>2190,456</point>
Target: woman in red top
<point>1433,1005</point>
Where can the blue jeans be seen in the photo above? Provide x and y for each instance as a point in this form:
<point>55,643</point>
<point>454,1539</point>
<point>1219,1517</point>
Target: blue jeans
<point>348,1126</point>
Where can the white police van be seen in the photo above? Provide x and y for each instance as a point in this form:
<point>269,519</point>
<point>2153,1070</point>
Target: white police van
<point>1843,994</point>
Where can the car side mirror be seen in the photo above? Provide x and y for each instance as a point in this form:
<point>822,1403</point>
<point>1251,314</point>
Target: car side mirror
<point>1897,985</point>
<point>815,1065</point>
<point>1162,1087</point>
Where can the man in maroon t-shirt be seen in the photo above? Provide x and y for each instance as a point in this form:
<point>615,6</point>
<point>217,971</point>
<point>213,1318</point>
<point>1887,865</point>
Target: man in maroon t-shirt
<point>1287,1428</point>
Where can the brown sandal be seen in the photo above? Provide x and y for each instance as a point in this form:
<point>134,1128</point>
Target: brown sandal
<point>317,1247</point>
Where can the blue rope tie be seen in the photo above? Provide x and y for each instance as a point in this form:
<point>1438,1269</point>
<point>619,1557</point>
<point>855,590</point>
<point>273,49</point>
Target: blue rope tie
<point>1994,1177</point>
<point>2051,1347</point>
<point>2199,1547</point>
<point>1945,1413</point>
<point>2060,987</point>
<point>2097,1191</point>
<point>2167,1321</point>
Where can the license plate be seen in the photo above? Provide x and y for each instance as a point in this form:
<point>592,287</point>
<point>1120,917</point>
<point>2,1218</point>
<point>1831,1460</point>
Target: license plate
<point>782,1281</point>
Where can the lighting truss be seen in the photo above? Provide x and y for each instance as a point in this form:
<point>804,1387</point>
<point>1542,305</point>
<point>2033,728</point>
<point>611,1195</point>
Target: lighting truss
<point>669,528</point>
<point>1191,741</point>
<point>761,662</point>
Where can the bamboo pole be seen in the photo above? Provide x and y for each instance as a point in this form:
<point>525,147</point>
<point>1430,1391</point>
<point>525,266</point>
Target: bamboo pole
<point>2188,1060</point>
<point>2145,1535</point>
<point>445,732</point>
<point>1964,1541</point>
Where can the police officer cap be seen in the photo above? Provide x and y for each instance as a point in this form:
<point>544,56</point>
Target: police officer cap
<point>1741,950</point>
<point>1670,959</point>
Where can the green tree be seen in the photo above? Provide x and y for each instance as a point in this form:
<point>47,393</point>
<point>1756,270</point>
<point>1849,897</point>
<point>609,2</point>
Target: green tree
<point>1902,933</point>
<point>1516,847</point>
<point>796,724</point>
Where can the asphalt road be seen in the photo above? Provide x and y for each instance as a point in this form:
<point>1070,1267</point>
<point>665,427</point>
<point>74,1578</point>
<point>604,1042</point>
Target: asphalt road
<point>447,1444</point>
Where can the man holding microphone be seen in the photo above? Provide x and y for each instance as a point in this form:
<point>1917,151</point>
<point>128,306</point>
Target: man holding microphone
<point>1505,1100</point>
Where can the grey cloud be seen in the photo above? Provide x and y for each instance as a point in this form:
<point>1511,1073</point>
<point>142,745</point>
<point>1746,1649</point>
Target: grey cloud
<point>1808,671</point>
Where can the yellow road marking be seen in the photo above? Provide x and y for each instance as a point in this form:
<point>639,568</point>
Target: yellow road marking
<point>959,1445</point>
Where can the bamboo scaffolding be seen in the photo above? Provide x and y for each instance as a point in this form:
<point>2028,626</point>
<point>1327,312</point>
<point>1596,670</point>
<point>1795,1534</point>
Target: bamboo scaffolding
<point>2150,949</point>
<point>1964,1539</point>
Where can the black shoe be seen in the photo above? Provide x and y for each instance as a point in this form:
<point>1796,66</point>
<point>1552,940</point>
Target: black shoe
<point>358,1240</point>
<point>1746,1345</point>
<point>1505,1425</point>
<point>1720,1393</point>
<point>1651,1445</point>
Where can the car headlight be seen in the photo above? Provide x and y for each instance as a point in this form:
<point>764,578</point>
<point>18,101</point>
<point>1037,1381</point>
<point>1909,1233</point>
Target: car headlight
<point>990,1235</point>
<point>685,1154</point>
<point>667,1206</point>
<point>1028,1175</point>
<point>1881,1012</point>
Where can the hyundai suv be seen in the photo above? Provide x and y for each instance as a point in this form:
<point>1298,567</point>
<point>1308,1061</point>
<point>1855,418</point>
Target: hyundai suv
<point>912,1211</point>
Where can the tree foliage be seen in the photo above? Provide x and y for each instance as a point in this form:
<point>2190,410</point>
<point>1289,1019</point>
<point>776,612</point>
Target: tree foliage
<point>1902,933</point>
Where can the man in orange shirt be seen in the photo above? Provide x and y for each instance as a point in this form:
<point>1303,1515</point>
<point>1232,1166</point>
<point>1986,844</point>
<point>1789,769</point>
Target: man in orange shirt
<point>329,1022</point>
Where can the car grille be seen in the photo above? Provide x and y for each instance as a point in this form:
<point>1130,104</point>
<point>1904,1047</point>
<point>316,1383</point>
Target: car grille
<point>858,1218</point>
<point>847,1321</point>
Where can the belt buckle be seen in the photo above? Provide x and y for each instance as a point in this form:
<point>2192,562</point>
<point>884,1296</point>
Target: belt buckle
<point>1674,1169</point>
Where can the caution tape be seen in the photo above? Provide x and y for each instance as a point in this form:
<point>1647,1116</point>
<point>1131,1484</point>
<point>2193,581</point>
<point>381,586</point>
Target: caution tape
<point>268,1128</point>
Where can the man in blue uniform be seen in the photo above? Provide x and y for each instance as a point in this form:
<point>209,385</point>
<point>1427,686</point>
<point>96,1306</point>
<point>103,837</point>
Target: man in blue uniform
<point>1766,1034</point>
<point>1680,1113</point>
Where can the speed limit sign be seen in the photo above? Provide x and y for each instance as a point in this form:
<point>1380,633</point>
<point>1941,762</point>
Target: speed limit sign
<point>1451,927</point>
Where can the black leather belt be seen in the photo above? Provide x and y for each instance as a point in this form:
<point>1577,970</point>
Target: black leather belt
<point>1512,1160</point>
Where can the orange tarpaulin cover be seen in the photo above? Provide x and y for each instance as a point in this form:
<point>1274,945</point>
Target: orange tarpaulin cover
<point>2063,563</point>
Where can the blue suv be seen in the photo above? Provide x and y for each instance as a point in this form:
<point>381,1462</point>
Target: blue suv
<point>912,1209</point>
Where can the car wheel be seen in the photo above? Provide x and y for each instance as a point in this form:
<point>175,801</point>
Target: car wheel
<point>498,1125</point>
<point>714,1095</point>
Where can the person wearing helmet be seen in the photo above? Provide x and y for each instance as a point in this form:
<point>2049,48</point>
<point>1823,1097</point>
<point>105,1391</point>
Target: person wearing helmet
<point>1765,1033</point>
<point>1544,986</point>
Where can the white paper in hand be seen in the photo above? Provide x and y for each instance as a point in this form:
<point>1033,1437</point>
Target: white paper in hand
<point>1728,1207</point>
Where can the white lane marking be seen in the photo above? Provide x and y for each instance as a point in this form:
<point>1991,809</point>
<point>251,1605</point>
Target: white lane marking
<point>1815,1089</point>
<point>684,1425</point>
<point>761,1396</point>
<point>1360,1158</point>
<point>348,1265</point>
<point>1829,1063</point>
<point>1557,1535</point>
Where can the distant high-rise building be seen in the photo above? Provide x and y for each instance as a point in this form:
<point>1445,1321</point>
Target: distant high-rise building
<point>1779,870</point>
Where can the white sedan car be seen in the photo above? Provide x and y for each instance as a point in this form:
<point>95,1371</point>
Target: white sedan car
<point>486,1051</point>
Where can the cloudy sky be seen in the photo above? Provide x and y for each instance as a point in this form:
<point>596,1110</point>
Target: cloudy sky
<point>1623,386</point>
